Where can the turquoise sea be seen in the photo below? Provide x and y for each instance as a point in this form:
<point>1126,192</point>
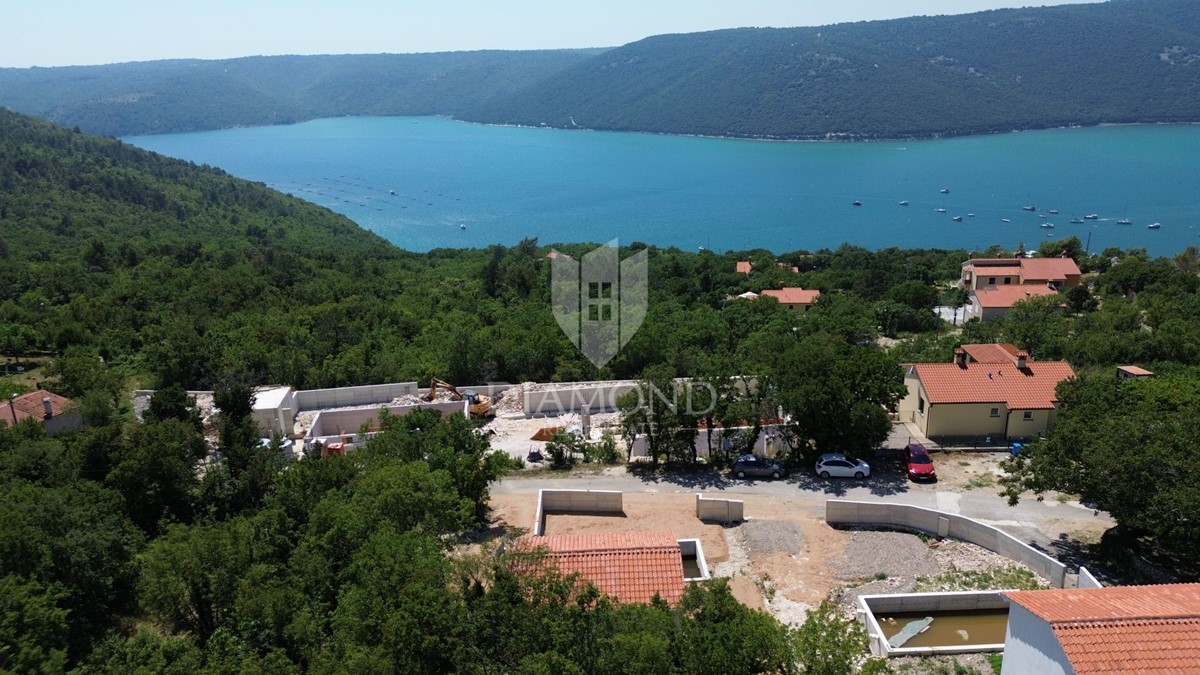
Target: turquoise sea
<point>429,182</point>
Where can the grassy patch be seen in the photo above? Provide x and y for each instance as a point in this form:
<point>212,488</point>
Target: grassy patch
<point>981,481</point>
<point>1006,577</point>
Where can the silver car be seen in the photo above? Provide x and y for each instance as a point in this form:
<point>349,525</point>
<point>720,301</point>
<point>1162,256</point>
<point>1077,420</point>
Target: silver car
<point>842,466</point>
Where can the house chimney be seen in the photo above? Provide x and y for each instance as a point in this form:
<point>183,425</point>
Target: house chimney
<point>960,357</point>
<point>1022,358</point>
<point>48,407</point>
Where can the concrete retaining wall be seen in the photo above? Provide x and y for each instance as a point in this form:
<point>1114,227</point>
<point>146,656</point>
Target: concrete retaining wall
<point>693,547</point>
<point>576,501</point>
<point>571,397</point>
<point>340,425</point>
<point>720,510</point>
<point>1086,580</point>
<point>842,512</point>
<point>342,397</point>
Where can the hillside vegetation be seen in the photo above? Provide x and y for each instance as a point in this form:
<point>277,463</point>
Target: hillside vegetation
<point>194,95</point>
<point>1114,62</point>
<point>1120,61</point>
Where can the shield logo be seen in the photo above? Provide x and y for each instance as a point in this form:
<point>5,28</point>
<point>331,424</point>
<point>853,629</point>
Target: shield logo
<point>600,301</point>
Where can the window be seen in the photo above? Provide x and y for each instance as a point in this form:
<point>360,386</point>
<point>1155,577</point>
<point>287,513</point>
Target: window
<point>1028,417</point>
<point>1007,280</point>
<point>995,412</point>
<point>991,281</point>
<point>920,404</point>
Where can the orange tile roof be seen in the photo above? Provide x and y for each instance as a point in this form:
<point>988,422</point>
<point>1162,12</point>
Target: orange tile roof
<point>1162,601</point>
<point>30,405</point>
<point>1134,370</point>
<point>998,352</point>
<point>1048,269</point>
<point>1122,629</point>
<point>793,296</point>
<point>1138,646</point>
<point>1028,389</point>
<point>630,566</point>
<point>743,267</point>
<point>1003,297</point>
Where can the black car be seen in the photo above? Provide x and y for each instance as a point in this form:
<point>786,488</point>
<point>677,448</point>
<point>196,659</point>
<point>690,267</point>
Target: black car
<point>755,465</point>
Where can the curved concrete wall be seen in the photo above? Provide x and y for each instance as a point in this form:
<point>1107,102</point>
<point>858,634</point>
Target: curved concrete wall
<point>939,523</point>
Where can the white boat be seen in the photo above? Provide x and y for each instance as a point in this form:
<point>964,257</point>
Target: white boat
<point>1005,220</point>
<point>941,210</point>
<point>1048,226</point>
<point>1154,226</point>
<point>462,226</point>
<point>1054,212</point>
<point>1091,216</point>
<point>1124,221</point>
<point>904,203</point>
<point>957,219</point>
<point>945,191</point>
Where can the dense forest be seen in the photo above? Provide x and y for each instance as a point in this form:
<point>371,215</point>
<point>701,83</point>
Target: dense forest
<point>1113,62</point>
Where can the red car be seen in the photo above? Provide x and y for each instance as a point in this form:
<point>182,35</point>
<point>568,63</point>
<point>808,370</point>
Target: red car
<point>920,464</point>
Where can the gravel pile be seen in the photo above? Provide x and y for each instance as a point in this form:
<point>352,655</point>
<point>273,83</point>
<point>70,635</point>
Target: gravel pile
<point>895,554</point>
<point>768,537</point>
<point>952,554</point>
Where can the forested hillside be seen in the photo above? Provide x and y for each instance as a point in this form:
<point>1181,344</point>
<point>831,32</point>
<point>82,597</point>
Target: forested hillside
<point>1120,61</point>
<point>1112,62</point>
<point>193,95</point>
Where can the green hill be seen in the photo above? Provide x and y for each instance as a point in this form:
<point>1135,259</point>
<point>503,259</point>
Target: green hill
<point>193,95</point>
<point>1120,61</point>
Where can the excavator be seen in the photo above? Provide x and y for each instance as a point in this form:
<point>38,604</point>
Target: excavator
<point>477,404</point>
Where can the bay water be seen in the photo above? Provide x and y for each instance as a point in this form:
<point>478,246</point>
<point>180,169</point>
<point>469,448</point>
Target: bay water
<point>429,182</point>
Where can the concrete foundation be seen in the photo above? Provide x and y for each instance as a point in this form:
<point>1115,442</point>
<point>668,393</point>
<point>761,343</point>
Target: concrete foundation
<point>868,607</point>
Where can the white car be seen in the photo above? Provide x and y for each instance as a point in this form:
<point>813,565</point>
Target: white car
<point>841,466</point>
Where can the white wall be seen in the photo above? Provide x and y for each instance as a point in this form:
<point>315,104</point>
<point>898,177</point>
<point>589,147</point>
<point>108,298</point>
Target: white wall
<point>1030,646</point>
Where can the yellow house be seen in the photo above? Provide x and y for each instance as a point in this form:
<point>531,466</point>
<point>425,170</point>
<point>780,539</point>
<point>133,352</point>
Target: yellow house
<point>1007,396</point>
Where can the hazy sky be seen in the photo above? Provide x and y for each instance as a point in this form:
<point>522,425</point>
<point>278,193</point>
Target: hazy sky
<point>66,32</point>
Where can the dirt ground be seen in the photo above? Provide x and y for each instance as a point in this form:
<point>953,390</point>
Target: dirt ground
<point>780,559</point>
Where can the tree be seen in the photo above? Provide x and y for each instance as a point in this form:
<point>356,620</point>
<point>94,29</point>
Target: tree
<point>1128,447</point>
<point>156,472</point>
<point>33,628</point>
<point>659,409</point>
<point>830,644</point>
<point>172,402</point>
<point>836,395</point>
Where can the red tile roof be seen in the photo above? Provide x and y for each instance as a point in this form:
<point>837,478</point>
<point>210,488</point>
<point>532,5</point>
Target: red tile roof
<point>630,566</point>
<point>793,296</point>
<point>31,405</point>
<point>994,268</point>
<point>1004,297</point>
<point>1028,389</point>
<point>999,352</point>
<point>743,267</point>
<point>1122,629</point>
<point>1048,269</point>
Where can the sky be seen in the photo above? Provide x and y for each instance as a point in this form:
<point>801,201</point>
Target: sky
<point>84,32</point>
